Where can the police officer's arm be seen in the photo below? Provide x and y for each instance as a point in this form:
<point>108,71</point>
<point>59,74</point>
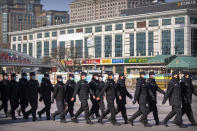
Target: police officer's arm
<point>128,94</point>
<point>117,87</point>
<point>103,90</point>
<point>55,90</point>
<point>41,89</point>
<point>193,90</point>
<point>137,91</point>
<point>91,91</point>
<point>76,90</point>
<point>168,92</point>
<point>160,90</point>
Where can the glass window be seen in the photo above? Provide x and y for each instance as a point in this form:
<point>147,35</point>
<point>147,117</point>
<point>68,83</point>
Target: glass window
<point>119,26</point>
<point>166,42</point>
<point>54,48</point>
<point>25,48</point>
<point>166,21</point>
<point>98,49</point>
<point>30,37</point>
<point>180,20</point>
<point>19,38</point>
<point>14,38</point>
<point>108,46</point>
<point>62,50</point>
<point>19,47</point>
<point>46,48</point>
<point>62,32</point>
<point>70,31</point>
<point>118,45</point>
<point>98,28</point>
<point>86,47</point>
<point>13,47</point>
<point>179,41</point>
<point>131,44</point>
<point>30,49</point>
<point>46,34</point>
<point>150,44</point>
<point>88,30</point>
<point>153,23</point>
<point>72,49</point>
<point>39,35</point>
<point>108,28</point>
<point>54,33</point>
<point>39,49</point>
<point>141,44</point>
<point>193,20</point>
<point>119,69</point>
<point>193,42</point>
<point>129,25</point>
<point>79,48</point>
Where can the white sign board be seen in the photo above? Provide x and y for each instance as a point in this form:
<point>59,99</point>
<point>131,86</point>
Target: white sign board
<point>68,37</point>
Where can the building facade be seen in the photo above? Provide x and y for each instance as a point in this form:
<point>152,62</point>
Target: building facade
<point>86,10</point>
<point>120,44</point>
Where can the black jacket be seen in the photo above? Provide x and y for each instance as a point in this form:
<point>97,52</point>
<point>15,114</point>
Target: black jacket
<point>101,85</point>
<point>187,90</point>
<point>122,91</point>
<point>173,93</point>
<point>23,88</point>
<point>4,87</point>
<point>70,87</point>
<point>33,88</point>
<point>13,91</point>
<point>94,86</point>
<point>153,87</point>
<point>59,92</point>
<point>142,91</point>
<point>46,89</point>
<point>83,90</point>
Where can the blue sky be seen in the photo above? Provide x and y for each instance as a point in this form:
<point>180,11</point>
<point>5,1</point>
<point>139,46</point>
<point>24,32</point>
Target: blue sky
<point>64,4</point>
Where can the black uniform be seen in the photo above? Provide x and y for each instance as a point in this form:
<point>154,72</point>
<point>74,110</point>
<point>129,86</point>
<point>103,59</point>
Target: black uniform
<point>14,97</point>
<point>141,96</point>
<point>187,91</point>
<point>32,96</point>
<point>23,85</point>
<point>4,87</point>
<point>45,94</point>
<point>83,91</point>
<point>95,105</point>
<point>123,92</point>
<point>174,94</point>
<point>70,87</point>
<point>58,95</point>
<point>101,104</point>
<point>153,87</point>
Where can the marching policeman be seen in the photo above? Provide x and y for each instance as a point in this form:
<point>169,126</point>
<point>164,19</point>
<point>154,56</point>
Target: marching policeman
<point>4,87</point>
<point>32,95</point>
<point>46,89</point>
<point>58,95</point>
<point>13,95</point>
<point>141,95</point>
<point>123,92</point>
<point>70,87</point>
<point>23,85</point>
<point>83,91</point>
<point>110,96</point>
<point>153,87</point>
<point>174,94</point>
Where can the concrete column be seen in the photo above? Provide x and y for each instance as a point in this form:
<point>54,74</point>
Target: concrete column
<point>172,41</point>
<point>187,36</point>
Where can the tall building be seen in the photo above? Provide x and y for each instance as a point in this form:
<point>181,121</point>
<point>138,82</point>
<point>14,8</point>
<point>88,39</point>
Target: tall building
<point>86,10</point>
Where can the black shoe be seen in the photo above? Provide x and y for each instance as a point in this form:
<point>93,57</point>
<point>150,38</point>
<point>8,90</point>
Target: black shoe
<point>39,115</point>
<point>147,125</point>
<point>194,124</point>
<point>157,123</point>
<point>74,120</point>
<point>25,117</point>
<point>48,118</point>
<point>63,121</point>
<point>100,121</point>
<point>165,124</point>
<point>18,112</point>
<point>6,114</point>
<point>88,121</point>
<point>14,118</point>
<point>53,117</point>
<point>115,124</point>
<point>92,116</point>
<point>182,126</point>
<point>131,122</point>
<point>126,122</point>
<point>34,119</point>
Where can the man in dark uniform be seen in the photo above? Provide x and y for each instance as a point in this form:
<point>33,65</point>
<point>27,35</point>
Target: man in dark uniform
<point>13,95</point>
<point>123,92</point>
<point>70,87</point>
<point>4,93</point>
<point>83,91</point>
<point>23,85</point>
<point>174,94</point>
<point>101,85</point>
<point>153,87</point>
<point>110,96</point>
<point>58,95</point>
<point>141,95</point>
<point>32,95</point>
<point>95,106</point>
<point>46,89</point>
<point>187,91</point>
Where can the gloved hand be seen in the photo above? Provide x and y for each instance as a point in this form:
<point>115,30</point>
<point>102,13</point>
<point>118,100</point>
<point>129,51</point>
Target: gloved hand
<point>163,102</point>
<point>134,101</point>
<point>52,101</point>
<point>131,97</point>
<point>40,99</point>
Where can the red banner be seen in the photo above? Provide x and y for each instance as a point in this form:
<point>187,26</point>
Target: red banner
<point>93,61</point>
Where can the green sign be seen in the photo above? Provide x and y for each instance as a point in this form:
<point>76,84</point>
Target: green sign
<point>136,60</point>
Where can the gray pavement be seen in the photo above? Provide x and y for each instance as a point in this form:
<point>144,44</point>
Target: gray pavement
<point>6,124</point>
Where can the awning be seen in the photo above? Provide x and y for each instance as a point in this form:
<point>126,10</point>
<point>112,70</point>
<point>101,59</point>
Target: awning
<point>162,59</point>
<point>183,62</point>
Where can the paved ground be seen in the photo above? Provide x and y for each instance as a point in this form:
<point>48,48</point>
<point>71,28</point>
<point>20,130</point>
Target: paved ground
<point>6,124</point>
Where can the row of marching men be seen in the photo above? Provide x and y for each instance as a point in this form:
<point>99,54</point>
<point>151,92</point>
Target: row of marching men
<point>25,92</point>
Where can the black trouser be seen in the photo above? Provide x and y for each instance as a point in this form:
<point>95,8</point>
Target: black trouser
<point>14,105</point>
<point>95,108</point>
<point>101,106</point>
<point>4,105</point>
<point>186,108</point>
<point>24,104</point>
<point>110,109</point>
<point>47,103</point>
<point>176,110</point>
<point>84,107</point>
<point>34,105</point>
<point>70,108</point>
<point>153,108</point>
<point>143,110</point>
<point>60,109</point>
<point>121,108</point>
